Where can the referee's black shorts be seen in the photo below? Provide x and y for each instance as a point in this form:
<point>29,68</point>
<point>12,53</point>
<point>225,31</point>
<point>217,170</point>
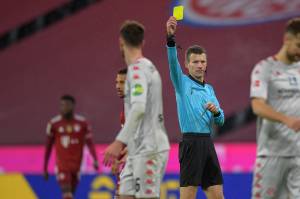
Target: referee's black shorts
<point>199,164</point>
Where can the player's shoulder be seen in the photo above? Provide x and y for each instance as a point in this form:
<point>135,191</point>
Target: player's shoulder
<point>266,63</point>
<point>80,118</point>
<point>56,119</point>
<point>142,64</point>
<point>209,86</point>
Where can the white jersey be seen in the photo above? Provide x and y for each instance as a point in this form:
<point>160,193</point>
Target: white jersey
<point>279,85</point>
<point>143,84</point>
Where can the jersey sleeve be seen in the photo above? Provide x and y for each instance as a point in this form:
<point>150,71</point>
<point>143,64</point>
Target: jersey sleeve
<point>88,130</point>
<point>50,130</point>
<point>175,68</point>
<point>138,85</point>
<point>259,81</point>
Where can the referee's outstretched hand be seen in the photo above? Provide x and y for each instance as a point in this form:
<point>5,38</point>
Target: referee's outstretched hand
<point>171,26</point>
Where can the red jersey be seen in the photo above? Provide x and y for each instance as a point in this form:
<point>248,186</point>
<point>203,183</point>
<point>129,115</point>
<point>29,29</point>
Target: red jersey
<point>69,136</point>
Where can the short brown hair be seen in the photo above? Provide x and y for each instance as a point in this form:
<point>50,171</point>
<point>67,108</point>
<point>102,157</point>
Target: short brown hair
<point>195,49</point>
<point>132,32</point>
<point>122,71</point>
<point>293,26</point>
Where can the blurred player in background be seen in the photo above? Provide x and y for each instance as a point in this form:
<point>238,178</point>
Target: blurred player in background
<point>198,108</point>
<point>143,132</point>
<point>275,94</point>
<point>118,164</point>
<point>69,132</point>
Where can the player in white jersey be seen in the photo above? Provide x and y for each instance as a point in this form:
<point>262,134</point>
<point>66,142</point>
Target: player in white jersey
<point>275,99</point>
<point>143,132</point>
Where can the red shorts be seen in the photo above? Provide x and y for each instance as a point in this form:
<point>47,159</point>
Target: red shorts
<point>67,178</point>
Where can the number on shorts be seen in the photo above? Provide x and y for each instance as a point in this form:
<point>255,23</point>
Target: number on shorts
<point>137,184</point>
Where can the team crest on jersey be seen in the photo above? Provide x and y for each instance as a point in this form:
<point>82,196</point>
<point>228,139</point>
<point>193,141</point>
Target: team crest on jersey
<point>293,81</point>
<point>69,128</point>
<point>237,12</point>
<point>77,128</point>
<point>137,90</point>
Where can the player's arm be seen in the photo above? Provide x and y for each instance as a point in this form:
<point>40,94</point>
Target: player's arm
<point>91,146</point>
<point>49,143</point>
<point>175,68</point>
<point>262,109</point>
<point>259,92</point>
<point>138,97</point>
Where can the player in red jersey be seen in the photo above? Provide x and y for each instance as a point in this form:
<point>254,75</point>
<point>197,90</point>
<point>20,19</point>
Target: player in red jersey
<point>69,133</point>
<point>118,164</point>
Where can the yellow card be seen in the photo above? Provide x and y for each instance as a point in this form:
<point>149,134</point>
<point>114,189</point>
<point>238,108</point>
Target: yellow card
<point>178,12</point>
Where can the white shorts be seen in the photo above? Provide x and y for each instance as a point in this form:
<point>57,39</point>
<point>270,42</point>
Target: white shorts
<point>142,175</point>
<point>276,178</point>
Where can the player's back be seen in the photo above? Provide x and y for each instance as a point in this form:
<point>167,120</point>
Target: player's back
<point>151,135</point>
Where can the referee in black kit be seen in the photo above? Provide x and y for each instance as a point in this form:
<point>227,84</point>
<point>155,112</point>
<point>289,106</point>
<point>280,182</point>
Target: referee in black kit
<point>198,108</point>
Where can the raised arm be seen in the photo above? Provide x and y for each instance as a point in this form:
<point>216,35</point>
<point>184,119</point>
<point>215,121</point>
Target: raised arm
<point>175,68</point>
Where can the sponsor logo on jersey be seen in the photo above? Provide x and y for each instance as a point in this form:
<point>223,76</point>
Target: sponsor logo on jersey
<point>237,12</point>
<point>65,141</point>
<point>136,68</point>
<point>138,90</point>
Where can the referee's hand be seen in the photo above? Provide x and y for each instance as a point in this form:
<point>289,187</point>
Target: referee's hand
<point>212,108</point>
<point>171,26</point>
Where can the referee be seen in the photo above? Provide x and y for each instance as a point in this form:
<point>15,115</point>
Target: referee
<point>198,108</point>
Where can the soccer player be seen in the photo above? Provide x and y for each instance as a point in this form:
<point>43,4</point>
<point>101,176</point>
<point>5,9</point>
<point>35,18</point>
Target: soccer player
<point>275,99</point>
<point>143,132</point>
<point>69,132</point>
<point>198,108</point>
<point>118,164</point>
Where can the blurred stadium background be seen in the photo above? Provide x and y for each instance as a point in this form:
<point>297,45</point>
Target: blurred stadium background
<point>49,48</point>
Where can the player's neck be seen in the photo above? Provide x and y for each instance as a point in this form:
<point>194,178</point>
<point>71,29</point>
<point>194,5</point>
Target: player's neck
<point>132,54</point>
<point>282,57</point>
<point>199,79</point>
<point>68,116</point>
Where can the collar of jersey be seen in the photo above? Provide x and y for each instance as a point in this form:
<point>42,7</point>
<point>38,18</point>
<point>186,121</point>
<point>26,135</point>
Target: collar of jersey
<point>198,82</point>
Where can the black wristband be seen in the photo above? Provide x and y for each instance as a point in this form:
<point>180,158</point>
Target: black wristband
<point>171,40</point>
<point>217,114</point>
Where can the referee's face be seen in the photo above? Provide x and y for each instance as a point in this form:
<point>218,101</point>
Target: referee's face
<point>196,65</point>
